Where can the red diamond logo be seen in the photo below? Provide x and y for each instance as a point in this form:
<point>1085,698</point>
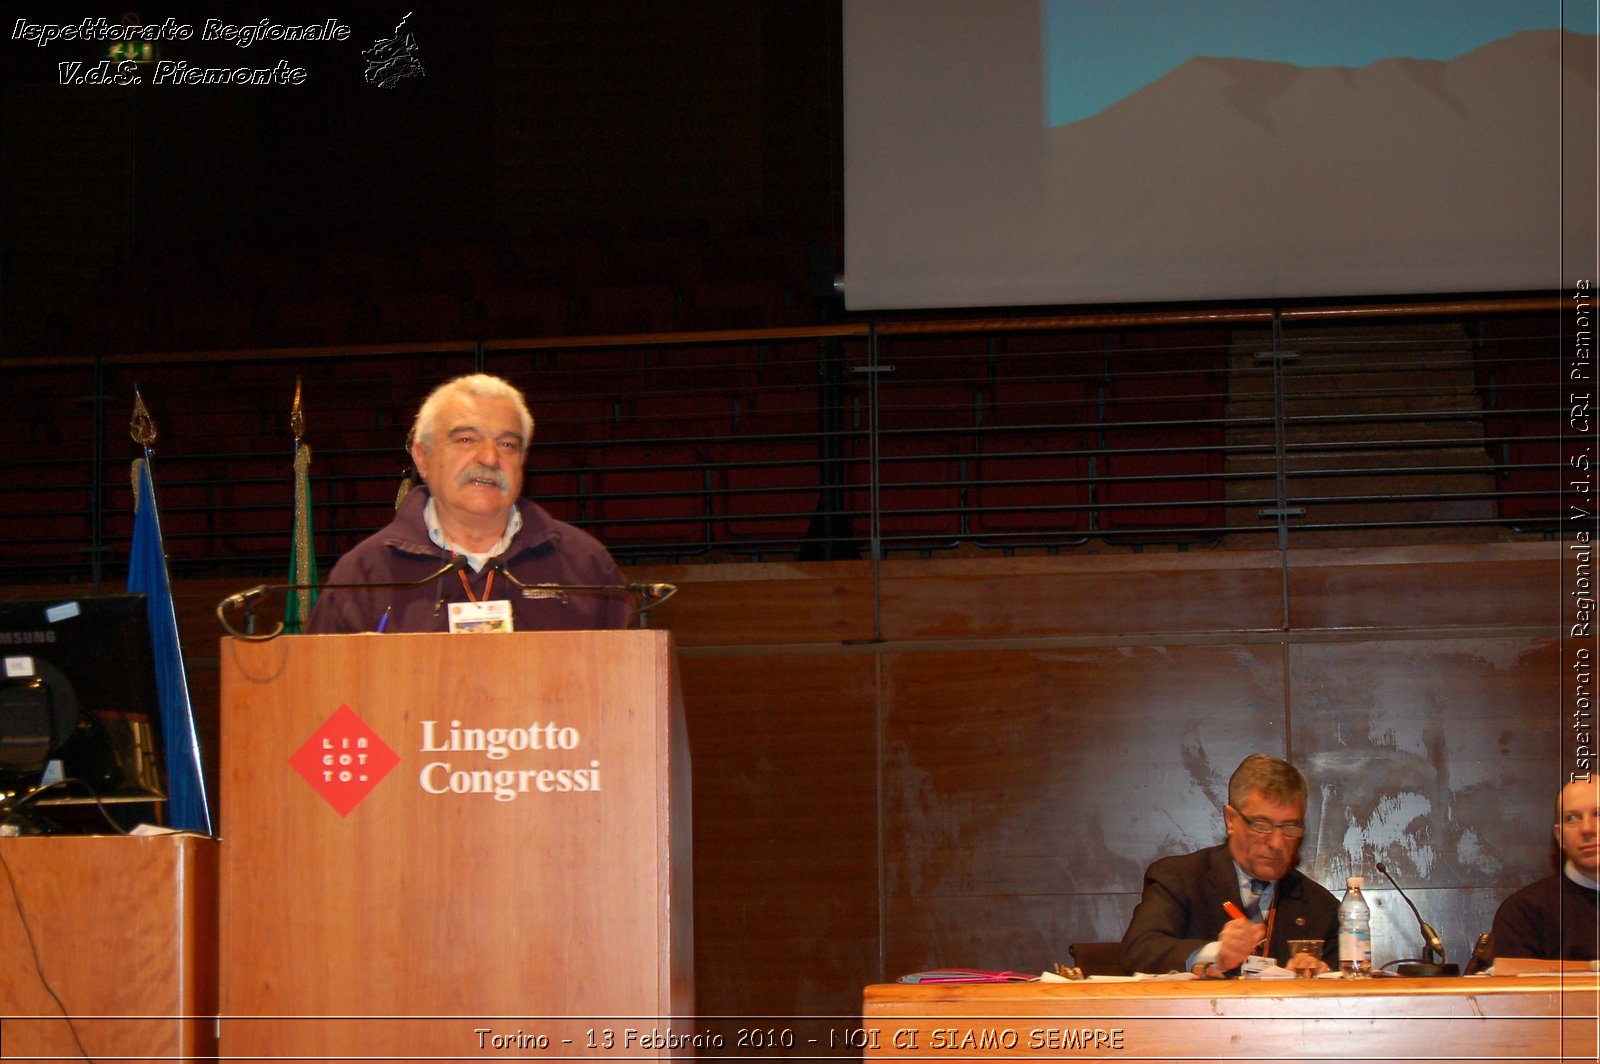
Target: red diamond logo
<point>344,759</point>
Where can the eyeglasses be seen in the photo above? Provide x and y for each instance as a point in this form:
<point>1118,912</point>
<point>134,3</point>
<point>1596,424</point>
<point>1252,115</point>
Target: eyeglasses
<point>1292,829</point>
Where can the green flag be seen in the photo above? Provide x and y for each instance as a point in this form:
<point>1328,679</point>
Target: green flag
<point>302,551</point>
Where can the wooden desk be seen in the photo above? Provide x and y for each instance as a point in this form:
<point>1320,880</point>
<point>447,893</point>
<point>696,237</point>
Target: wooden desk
<point>1550,1018</point>
<point>126,934</point>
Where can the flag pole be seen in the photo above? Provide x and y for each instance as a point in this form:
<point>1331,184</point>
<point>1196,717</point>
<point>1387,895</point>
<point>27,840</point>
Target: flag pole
<point>187,808</point>
<point>302,552</point>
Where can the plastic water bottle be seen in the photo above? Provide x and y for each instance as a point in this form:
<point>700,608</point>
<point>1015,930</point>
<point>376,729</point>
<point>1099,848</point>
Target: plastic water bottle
<point>1355,932</point>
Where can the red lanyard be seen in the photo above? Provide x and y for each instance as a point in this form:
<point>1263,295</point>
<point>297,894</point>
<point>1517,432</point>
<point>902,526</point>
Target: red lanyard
<point>1272,914</point>
<point>487,585</point>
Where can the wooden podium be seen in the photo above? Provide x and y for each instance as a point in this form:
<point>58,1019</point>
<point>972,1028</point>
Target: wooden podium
<point>454,846</point>
<point>108,947</point>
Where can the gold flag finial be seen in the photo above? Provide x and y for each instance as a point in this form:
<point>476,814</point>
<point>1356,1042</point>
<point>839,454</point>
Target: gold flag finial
<point>143,427</point>
<point>297,417</point>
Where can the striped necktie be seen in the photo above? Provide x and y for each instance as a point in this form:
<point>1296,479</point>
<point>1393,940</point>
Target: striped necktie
<point>1253,910</point>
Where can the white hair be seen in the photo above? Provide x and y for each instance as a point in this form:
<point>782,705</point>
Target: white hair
<point>482,385</point>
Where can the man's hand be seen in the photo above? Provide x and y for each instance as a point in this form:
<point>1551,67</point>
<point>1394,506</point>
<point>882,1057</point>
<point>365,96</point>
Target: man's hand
<point>1306,961</point>
<point>1238,940</point>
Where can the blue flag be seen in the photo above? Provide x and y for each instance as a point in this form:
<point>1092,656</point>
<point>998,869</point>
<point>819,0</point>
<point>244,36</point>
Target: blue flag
<point>147,575</point>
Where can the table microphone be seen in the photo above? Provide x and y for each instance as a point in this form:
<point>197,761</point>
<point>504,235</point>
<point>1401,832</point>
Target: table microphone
<point>1482,954</point>
<point>1432,946</point>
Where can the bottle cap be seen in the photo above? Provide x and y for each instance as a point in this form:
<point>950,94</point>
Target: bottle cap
<point>1354,882</point>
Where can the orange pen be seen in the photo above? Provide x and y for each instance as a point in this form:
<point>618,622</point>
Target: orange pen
<point>1233,911</point>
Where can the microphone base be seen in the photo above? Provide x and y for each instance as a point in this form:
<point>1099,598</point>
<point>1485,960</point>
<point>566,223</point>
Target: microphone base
<point>1423,970</point>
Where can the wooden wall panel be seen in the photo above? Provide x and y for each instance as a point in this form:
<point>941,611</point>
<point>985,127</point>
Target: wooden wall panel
<point>1438,757</point>
<point>762,603</point>
<point>999,932</point>
<point>1495,584</point>
<point>784,752</point>
<point>1092,595</point>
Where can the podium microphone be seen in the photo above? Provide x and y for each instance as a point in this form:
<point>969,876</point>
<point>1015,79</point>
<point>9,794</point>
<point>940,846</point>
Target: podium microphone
<point>1432,945</point>
<point>246,599</point>
<point>650,595</point>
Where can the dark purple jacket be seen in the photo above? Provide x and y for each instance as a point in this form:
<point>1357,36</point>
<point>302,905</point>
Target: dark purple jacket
<point>544,551</point>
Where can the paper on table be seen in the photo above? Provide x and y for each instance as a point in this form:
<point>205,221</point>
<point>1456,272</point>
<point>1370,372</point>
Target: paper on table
<point>965,975</point>
<point>1052,977</point>
<point>1271,971</point>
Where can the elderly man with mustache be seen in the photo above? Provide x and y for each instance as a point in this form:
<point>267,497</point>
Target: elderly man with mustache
<point>469,442</point>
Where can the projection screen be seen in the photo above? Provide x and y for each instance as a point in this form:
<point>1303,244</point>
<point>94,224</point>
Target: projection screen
<point>1026,152</point>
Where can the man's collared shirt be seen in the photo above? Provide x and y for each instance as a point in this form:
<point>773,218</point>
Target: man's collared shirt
<point>435,533</point>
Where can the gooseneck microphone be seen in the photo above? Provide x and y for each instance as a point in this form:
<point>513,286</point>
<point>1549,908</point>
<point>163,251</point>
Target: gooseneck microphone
<point>653,594</point>
<point>246,599</point>
<point>649,595</point>
<point>1432,945</point>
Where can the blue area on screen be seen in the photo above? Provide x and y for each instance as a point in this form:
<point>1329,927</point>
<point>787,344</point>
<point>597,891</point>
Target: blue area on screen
<point>1097,52</point>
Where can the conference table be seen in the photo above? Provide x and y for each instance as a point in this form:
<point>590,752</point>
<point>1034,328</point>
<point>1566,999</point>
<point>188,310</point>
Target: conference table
<point>1548,1017</point>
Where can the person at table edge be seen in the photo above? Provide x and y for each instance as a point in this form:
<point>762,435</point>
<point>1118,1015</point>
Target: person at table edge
<point>1558,917</point>
<point>1181,924</point>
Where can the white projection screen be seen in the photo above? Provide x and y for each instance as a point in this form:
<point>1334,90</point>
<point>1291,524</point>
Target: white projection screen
<point>1029,152</point>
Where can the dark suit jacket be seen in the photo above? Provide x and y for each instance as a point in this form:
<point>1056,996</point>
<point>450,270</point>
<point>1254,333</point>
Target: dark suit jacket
<point>1182,910</point>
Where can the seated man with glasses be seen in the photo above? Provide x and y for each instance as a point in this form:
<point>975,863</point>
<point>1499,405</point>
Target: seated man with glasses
<point>1183,922</point>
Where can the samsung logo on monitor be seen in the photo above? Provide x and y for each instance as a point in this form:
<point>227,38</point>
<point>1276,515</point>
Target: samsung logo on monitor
<point>18,639</point>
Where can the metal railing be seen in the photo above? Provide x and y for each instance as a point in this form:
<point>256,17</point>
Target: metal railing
<point>1252,428</point>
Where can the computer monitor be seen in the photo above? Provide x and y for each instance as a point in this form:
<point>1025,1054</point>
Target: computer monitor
<point>78,700</point>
